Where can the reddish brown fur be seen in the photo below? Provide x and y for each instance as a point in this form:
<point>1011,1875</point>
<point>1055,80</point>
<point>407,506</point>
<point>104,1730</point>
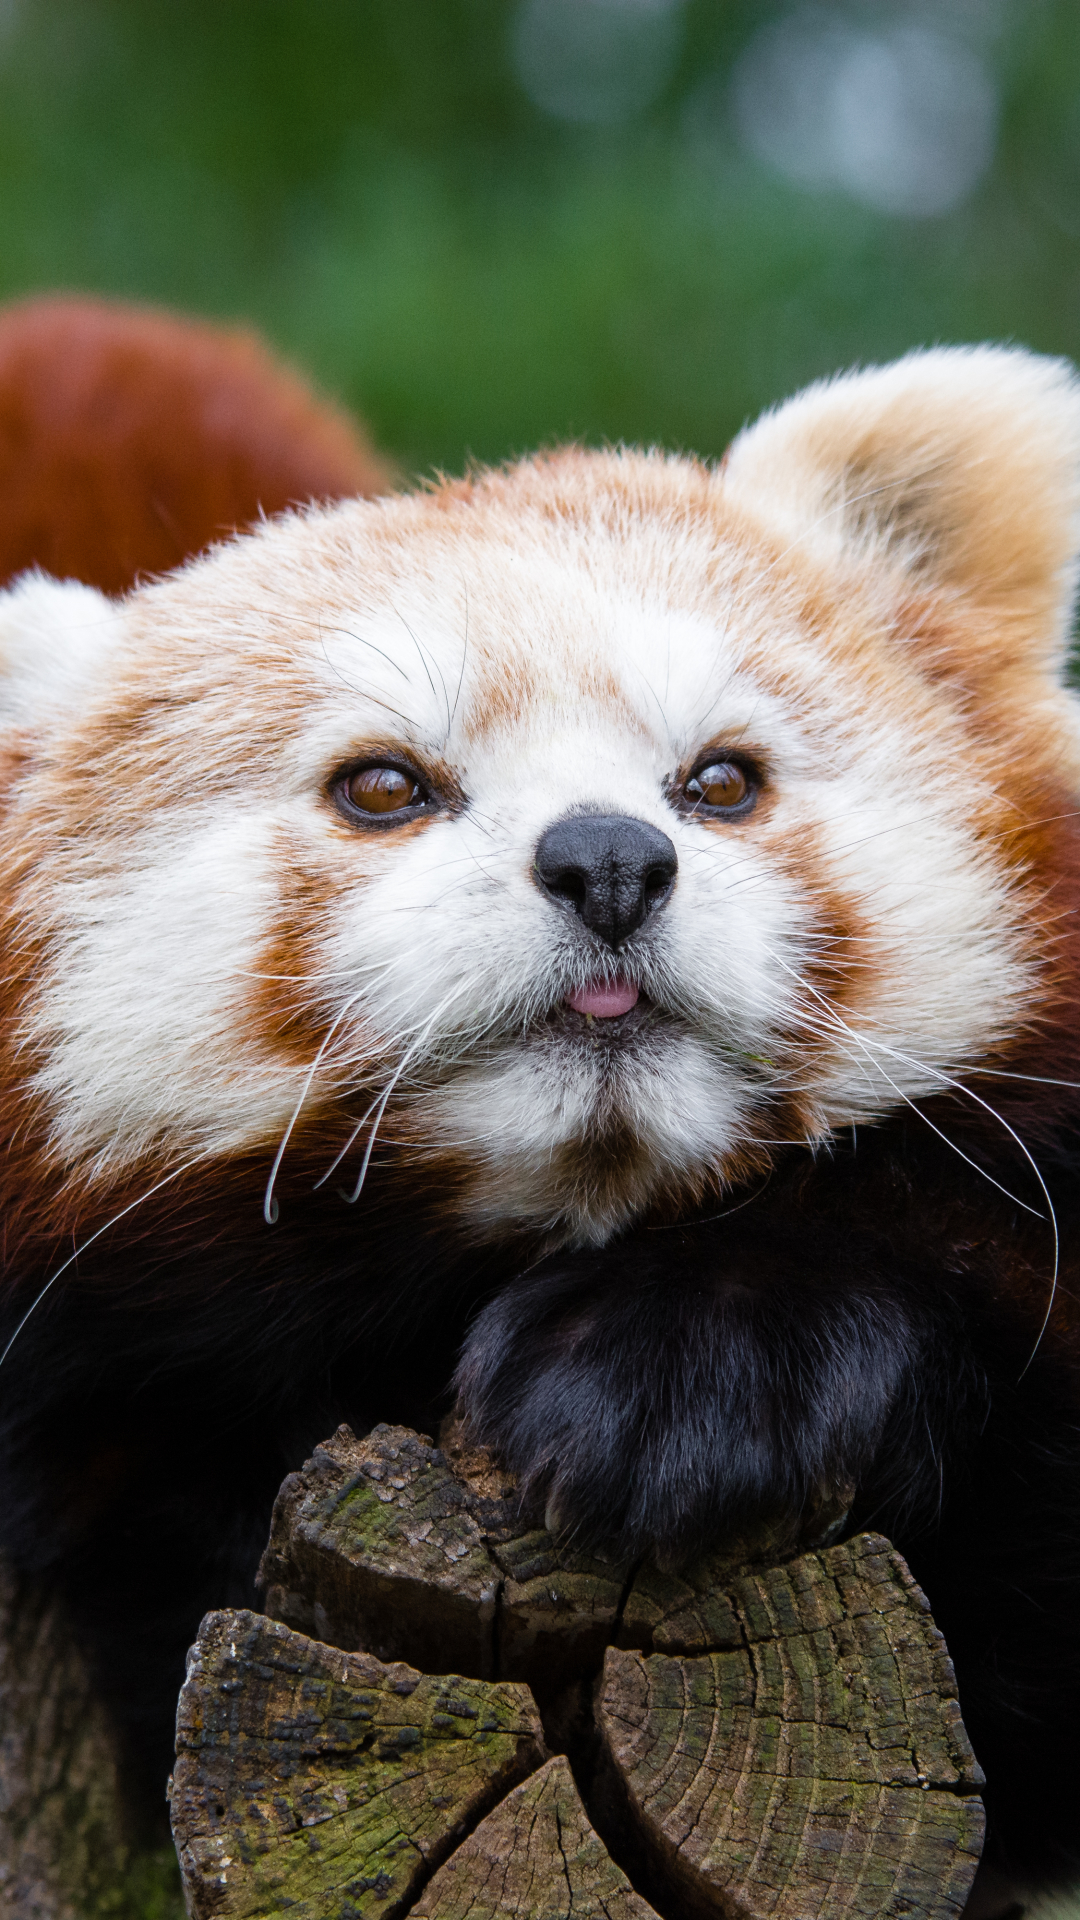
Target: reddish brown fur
<point>130,439</point>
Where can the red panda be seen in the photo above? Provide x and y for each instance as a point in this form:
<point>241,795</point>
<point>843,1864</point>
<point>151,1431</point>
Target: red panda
<point>615,917</point>
<point>130,439</point>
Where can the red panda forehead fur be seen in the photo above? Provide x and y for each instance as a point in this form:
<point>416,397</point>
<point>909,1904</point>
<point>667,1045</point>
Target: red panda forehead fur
<point>223,962</point>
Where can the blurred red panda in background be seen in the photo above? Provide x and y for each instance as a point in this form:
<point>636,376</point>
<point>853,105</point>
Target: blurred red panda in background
<point>130,439</point>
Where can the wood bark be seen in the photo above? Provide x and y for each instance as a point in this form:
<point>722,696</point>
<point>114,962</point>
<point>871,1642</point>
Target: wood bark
<point>65,1838</point>
<point>391,1545</point>
<point>453,1714</point>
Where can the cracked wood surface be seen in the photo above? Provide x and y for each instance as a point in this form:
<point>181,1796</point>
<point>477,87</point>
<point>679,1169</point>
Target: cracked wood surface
<point>536,1857</point>
<point>316,1782</point>
<point>737,1738</point>
<point>379,1543</point>
<point>814,1764</point>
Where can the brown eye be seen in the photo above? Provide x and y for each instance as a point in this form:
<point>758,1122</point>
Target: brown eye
<point>382,790</point>
<point>722,785</point>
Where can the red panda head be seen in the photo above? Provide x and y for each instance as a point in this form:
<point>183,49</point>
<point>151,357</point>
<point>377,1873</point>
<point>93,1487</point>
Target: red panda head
<point>580,832</point>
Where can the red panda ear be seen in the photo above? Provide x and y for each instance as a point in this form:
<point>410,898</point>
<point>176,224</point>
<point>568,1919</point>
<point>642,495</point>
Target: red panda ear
<point>956,471</point>
<point>54,635</point>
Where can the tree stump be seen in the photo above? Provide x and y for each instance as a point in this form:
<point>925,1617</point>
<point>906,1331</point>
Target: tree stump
<point>63,1834</point>
<point>69,1846</point>
<point>446,1713</point>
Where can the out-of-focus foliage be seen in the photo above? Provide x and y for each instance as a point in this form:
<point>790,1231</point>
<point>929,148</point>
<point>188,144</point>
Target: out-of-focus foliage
<point>399,194</point>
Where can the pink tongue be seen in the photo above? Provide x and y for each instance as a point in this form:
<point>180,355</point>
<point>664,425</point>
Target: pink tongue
<point>605,1002</point>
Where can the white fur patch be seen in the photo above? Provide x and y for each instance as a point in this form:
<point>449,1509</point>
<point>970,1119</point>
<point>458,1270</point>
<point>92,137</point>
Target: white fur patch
<point>55,638</point>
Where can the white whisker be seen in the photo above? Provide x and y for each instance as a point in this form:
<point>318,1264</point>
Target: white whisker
<point>82,1247</point>
<point>338,1158</point>
<point>872,1047</point>
<point>1034,1079</point>
<point>1011,1131</point>
<point>270,1206</point>
<point>379,1105</point>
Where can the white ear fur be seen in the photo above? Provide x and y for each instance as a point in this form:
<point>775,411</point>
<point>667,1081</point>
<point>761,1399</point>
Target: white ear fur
<point>53,634</point>
<point>958,469</point>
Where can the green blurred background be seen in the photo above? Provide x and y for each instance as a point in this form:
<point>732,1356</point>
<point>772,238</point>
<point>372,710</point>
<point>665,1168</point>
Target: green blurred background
<point>486,225</point>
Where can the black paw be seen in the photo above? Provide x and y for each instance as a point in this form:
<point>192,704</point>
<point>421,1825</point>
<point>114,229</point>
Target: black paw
<point>685,1386</point>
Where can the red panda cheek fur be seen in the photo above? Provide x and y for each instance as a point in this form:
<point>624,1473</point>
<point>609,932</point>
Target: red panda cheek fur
<point>299,1111</point>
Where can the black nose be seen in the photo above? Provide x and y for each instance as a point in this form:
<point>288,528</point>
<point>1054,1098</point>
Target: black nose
<point>608,868</point>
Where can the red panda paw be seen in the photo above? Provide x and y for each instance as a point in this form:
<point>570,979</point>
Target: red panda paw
<point>670,1399</point>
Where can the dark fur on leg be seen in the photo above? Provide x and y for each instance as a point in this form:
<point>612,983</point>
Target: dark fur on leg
<point>682,1384</point>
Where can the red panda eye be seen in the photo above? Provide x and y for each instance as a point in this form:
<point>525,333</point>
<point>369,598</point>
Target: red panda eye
<point>723,785</point>
<point>379,790</point>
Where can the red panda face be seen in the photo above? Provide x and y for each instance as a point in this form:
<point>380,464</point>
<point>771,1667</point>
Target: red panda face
<point>578,834</point>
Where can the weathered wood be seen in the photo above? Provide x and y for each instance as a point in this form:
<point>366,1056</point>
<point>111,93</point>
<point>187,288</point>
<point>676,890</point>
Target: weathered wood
<point>736,1738</point>
<point>537,1857</point>
<point>326,1783</point>
<point>377,1543</point>
<point>64,1833</point>
<point>817,1765</point>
